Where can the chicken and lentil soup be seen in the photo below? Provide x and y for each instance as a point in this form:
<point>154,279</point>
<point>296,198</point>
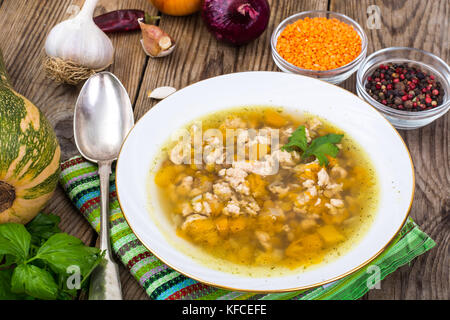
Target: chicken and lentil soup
<point>300,197</point>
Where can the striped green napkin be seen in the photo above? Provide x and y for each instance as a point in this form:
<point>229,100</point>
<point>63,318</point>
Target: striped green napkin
<point>79,179</point>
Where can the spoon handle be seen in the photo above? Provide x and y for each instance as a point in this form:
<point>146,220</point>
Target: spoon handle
<point>105,280</point>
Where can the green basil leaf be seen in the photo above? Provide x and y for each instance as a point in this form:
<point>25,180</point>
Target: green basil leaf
<point>61,251</point>
<point>34,281</point>
<point>5,286</point>
<point>42,227</point>
<point>7,261</point>
<point>15,240</point>
<point>325,149</point>
<point>296,140</point>
<point>322,146</point>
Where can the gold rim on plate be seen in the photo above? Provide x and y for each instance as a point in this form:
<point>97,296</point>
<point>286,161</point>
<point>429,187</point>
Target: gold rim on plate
<point>288,289</point>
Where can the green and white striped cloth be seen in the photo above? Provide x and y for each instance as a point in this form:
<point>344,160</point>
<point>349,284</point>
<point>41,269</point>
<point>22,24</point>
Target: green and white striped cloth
<point>79,179</point>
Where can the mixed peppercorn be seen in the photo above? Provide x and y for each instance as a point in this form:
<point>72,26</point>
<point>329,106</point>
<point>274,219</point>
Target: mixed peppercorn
<point>404,87</point>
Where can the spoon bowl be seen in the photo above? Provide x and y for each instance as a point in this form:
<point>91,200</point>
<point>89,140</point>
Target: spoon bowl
<point>103,117</point>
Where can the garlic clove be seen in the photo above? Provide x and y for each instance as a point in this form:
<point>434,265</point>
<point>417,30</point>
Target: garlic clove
<point>155,42</point>
<point>161,92</point>
<point>161,53</point>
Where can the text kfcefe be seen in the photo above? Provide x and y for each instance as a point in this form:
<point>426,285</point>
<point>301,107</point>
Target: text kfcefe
<point>232,309</point>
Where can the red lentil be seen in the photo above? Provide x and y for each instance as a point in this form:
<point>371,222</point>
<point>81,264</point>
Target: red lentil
<point>319,43</point>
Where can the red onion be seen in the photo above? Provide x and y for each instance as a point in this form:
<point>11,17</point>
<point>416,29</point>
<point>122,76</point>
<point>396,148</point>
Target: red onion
<point>236,21</point>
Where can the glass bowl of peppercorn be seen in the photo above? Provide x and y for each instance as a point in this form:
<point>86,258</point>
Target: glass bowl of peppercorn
<point>410,87</point>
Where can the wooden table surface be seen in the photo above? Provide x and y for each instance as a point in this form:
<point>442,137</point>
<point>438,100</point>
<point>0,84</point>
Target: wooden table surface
<point>24,25</point>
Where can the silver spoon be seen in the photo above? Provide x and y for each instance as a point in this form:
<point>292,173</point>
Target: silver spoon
<point>103,118</point>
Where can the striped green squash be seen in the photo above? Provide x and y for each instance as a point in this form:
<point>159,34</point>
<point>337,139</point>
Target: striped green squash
<point>29,156</point>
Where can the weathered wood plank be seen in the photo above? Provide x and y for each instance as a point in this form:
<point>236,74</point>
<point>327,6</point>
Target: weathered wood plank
<point>423,25</point>
<point>22,40</point>
<point>199,55</point>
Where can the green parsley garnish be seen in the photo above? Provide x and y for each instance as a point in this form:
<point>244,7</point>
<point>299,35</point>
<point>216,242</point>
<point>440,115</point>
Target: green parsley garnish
<point>319,147</point>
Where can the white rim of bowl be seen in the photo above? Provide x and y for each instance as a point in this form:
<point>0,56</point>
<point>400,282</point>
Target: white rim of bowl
<point>362,265</point>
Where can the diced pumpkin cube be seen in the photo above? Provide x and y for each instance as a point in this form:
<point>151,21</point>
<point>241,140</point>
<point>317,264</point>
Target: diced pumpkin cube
<point>200,226</point>
<point>216,207</point>
<point>222,225</point>
<point>306,245</point>
<point>331,161</point>
<point>286,206</point>
<point>237,224</point>
<point>274,119</point>
<point>312,242</point>
<point>338,218</point>
<point>257,185</point>
<point>167,174</point>
<point>330,234</point>
<point>203,230</point>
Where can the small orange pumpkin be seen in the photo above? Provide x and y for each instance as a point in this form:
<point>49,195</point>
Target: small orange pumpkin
<point>177,7</point>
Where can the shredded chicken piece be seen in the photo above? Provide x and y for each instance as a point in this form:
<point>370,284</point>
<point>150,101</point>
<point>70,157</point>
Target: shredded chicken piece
<point>303,198</point>
<point>301,210</point>
<point>314,123</point>
<point>179,154</point>
<point>232,208</point>
<point>308,183</point>
<point>234,123</point>
<point>236,178</point>
<point>264,167</point>
<point>276,213</point>
<point>264,239</point>
<point>185,186</point>
<point>338,203</point>
<point>190,219</point>
<point>287,132</point>
<point>250,206</point>
<point>308,224</point>
<point>277,188</point>
<point>312,191</point>
<point>199,205</point>
<point>222,190</point>
<point>213,155</point>
<point>338,172</point>
<point>322,177</point>
<point>308,136</point>
<point>284,158</point>
<point>332,209</point>
<point>186,209</point>
<point>333,189</point>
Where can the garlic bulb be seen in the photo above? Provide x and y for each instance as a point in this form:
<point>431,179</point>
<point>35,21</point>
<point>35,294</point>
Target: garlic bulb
<point>77,48</point>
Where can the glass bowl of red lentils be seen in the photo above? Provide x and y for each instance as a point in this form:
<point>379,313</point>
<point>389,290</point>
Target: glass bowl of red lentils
<point>409,86</point>
<point>320,44</point>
